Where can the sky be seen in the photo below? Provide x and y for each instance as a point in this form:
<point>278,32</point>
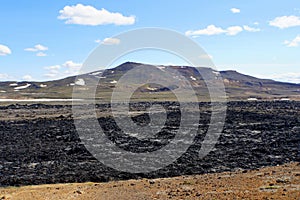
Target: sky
<point>50,39</point>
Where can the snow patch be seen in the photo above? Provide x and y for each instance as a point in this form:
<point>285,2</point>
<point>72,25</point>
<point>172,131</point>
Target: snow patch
<point>43,86</point>
<point>216,73</point>
<point>22,87</point>
<point>96,73</point>
<point>80,81</point>
<point>151,88</point>
<point>284,99</point>
<point>252,99</point>
<point>114,82</point>
<point>13,84</point>
<point>193,78</point>
<point>2,91</point>
<point>162,68</point>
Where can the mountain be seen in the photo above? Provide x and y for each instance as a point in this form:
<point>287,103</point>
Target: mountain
<point>237,86</point>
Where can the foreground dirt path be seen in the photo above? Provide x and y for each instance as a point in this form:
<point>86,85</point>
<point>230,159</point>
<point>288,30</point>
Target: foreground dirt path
<point>280,182</point>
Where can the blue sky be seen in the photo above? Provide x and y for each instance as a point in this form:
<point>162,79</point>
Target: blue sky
<point>43,40</point>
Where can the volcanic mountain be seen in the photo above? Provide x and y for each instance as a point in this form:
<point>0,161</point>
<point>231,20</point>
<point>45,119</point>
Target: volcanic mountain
<point>237,86</point>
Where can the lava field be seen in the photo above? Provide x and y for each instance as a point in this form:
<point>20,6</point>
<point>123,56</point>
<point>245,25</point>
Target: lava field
<point>39,143</point>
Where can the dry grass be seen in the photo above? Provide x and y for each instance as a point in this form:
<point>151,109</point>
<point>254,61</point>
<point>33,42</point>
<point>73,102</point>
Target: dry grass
<point>280,182</point>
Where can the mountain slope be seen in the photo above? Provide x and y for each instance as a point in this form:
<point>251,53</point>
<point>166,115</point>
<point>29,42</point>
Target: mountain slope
<point>238,86</point>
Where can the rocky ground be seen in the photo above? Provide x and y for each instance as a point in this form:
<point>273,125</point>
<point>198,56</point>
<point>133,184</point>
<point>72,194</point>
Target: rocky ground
<point>280,182</point>
<point>39,143</point>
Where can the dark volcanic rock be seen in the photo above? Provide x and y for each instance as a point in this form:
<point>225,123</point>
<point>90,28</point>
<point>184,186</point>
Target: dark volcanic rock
<point>49,150</point>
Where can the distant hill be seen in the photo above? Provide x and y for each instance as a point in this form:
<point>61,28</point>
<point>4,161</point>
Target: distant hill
<point>238,86</point>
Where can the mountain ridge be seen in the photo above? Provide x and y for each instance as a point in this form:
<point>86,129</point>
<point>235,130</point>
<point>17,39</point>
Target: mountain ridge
<point>238,86</point>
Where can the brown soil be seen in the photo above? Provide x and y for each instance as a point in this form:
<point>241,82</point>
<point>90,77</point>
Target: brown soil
<point>280,182</point>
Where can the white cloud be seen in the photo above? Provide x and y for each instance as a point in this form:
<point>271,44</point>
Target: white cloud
<point>7,77</point>
<point>88,15</point>
<point>54,67</point>
<point>213,30</point>
<point>4,50</point>
<point>41,47</point>
<point>285,21</point>
<point>206,56</point>
<point>294,43</point>
<point>69,68</point>
<point>51,75</point>
<point>209,30</point>
<point>292,77</point>
<point>234,30</point>
<point>4,76</point>
<point>37,47</point>
<point>30,49</point>
<point>41,54</point>
<point>111,41</point>
<point>235,10</point>
<point>72,65</point>
<point>251,29</point>
<point>27,77</point>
